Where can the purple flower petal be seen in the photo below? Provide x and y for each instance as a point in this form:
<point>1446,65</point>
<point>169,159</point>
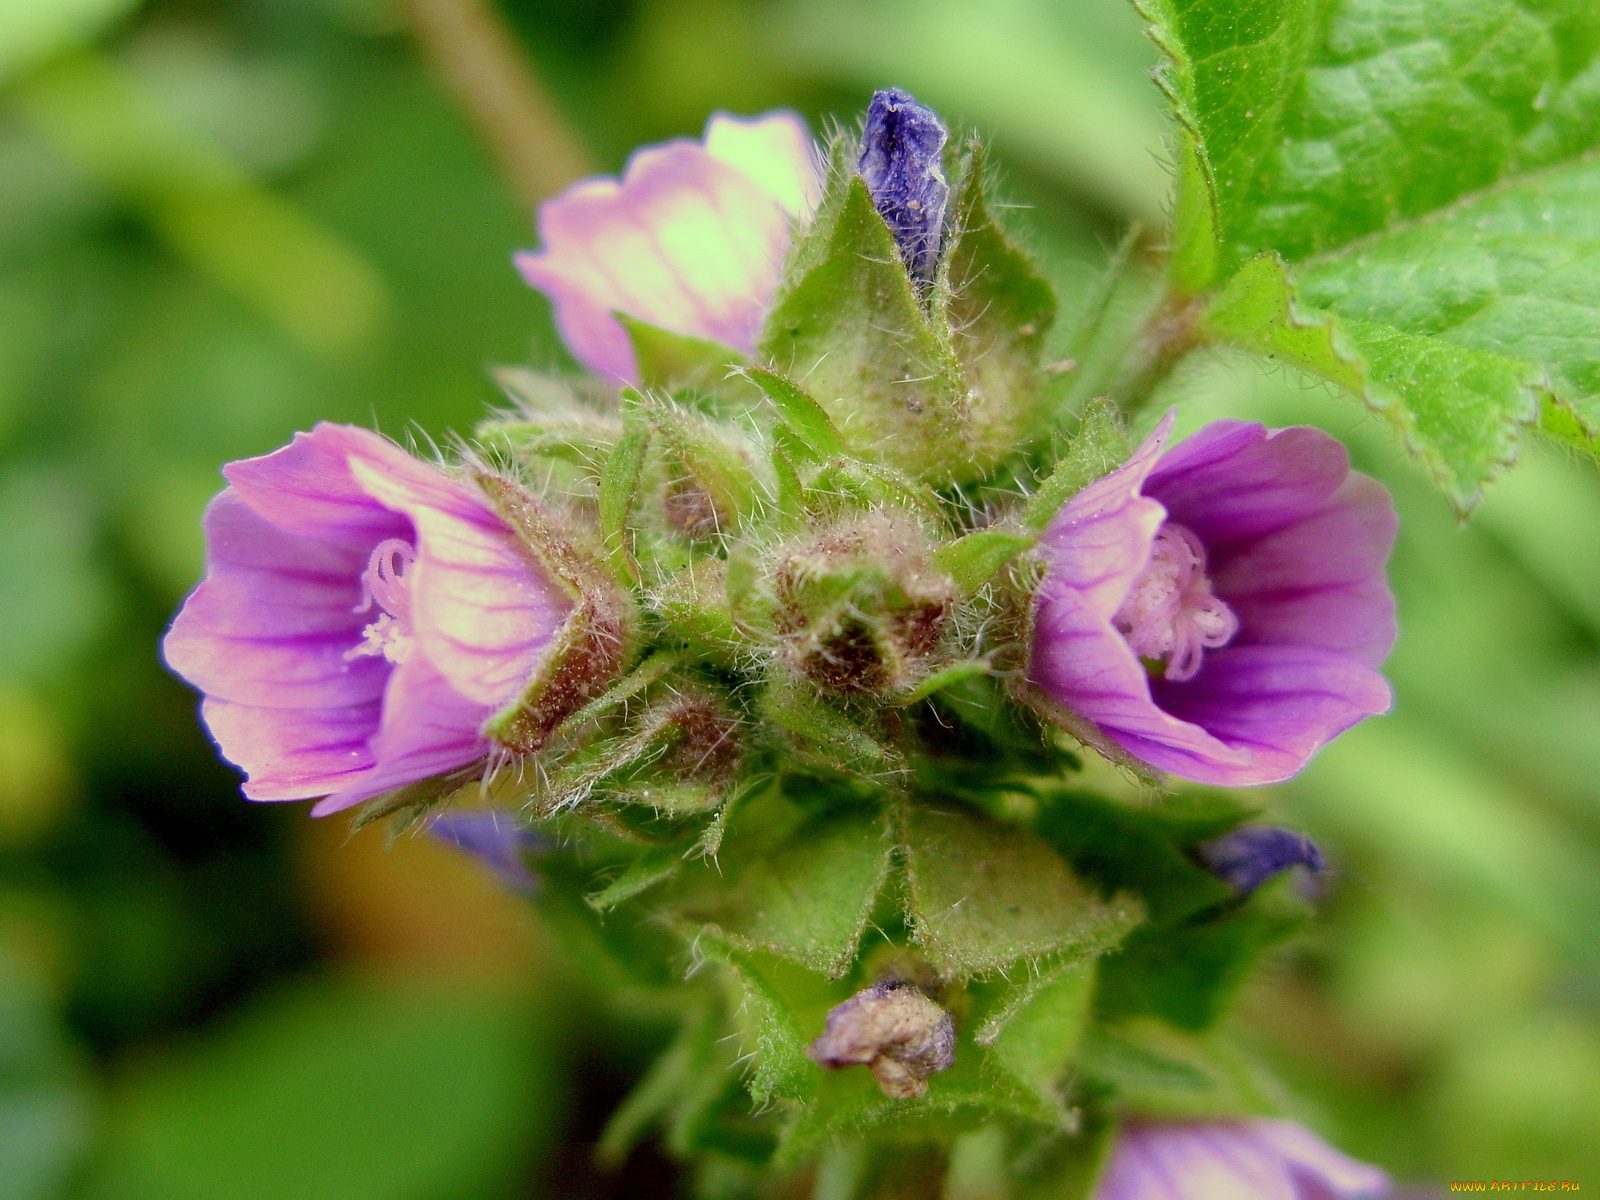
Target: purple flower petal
<point>294,753</point>
<point>323,678</point>
<point>1295,546</point>
<point>485,609</point>
<point>1232,1160</point>
<point>272,622</point>
<point>428,729</point>
<point>691,239</point>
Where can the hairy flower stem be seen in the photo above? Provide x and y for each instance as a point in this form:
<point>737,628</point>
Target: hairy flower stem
<point>1170,333</point>
<point>478,58</point>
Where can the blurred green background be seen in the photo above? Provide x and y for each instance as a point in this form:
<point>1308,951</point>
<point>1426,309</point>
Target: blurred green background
<point>222,220</point>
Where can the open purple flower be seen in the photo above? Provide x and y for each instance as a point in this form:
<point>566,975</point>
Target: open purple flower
<point>362,615</point>
<point>691,239</point>
<point>1232,1160</point>
<point>1220,610</point>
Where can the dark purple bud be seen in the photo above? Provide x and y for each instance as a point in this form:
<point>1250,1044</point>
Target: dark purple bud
<point>901,163</point>
<point>497,839</point>
<point>1247,858</point>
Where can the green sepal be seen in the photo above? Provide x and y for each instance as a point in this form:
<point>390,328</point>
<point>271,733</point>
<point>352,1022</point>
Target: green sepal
<point>804,417</point>
<point>678,756</point>
<point>791,492</point>
<point>973,560</point>
<point>999,309</point>
<point>619,490</point>
<point>981,897</point>
<point>655,865</point>
<point>551,421</point>
<point>823,733</point>
<point>855,331</point>
<point>670,360</point>
<point>945,677</point>
<point>591,647</point>
<point>1099,447</point>
<point>695,605</point>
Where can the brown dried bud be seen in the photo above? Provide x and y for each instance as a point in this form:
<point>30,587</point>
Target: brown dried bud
<point>894,1030</point>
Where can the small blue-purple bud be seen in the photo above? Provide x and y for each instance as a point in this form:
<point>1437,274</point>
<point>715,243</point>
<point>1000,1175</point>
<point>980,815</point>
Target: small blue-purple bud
<point>1247,858</point>
<point>902,164</point>
<point>497,839</point>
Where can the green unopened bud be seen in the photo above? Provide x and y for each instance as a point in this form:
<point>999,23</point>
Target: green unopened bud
<point>710,489</point>
<point>860,607</point>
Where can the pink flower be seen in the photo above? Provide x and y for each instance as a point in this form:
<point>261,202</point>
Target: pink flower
<point>1220,610</point>
<point>692,239</point>
<point>362,616</point>
<point>1232,1160</point>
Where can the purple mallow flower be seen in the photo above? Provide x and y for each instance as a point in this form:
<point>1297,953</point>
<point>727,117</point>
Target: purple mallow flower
<point>1220,610</point>
<point>691,239</point>
<point>1232,1160</point>
<point>1247,858</point>
<point>902,151</point>
<point>362,615</point>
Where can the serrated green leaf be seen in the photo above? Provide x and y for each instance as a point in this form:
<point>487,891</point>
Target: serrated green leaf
<point>1035,1034</point>
<point>804,416</point>
<point>668,360</point>
<point>853,332</point>
<point>973,560</point>
<point>1158,1071</point>
<point>775,1006</point>
<point>806,896</point>
<point>999,308</point>
<point>982,896</point>
<point>1457,408</point>
<point>1419,166</point>
<point>1099,447</point>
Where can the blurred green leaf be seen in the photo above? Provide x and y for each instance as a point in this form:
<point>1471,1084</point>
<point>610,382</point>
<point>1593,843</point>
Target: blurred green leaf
<point>33,30</point>
<point>1189,973</point>
<point>338,1092</point>
<point>1062,83</point>
<point>1156,1070</point>
<point>46,1114</point>
<point>52,589</point>
<point>268,252</point>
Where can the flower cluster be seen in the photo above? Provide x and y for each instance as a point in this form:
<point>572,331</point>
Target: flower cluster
<point>754,594</point>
